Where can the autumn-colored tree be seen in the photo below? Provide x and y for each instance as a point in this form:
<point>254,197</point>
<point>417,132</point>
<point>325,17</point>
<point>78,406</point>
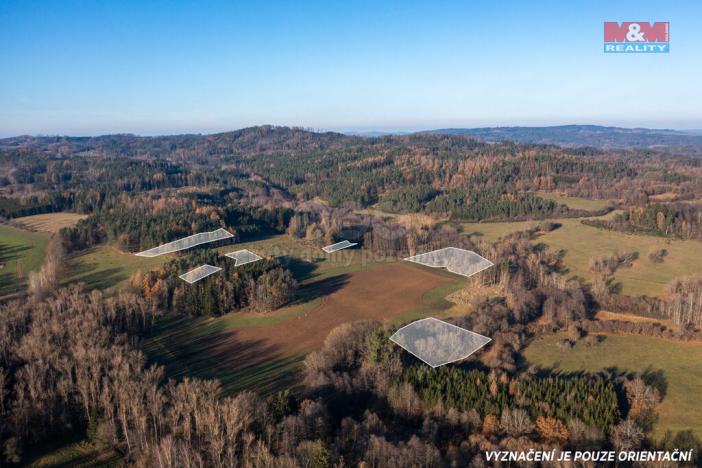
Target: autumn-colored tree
<point>642,399</point>
<point>491,425</point>
<point>44,281</point>
<point>552,429</point>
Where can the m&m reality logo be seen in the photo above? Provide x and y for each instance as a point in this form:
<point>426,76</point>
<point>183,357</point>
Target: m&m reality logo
<point>637,37</point>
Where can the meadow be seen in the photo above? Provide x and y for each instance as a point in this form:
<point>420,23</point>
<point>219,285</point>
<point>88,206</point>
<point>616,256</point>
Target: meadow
<point>680,364</point>
<point>49,222</point>
<point>23,247</point>
<point>581,243</point>
<point>20,253</point>
<point>105,267</point>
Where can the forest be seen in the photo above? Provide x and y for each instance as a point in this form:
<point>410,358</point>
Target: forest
<point>72,359</point>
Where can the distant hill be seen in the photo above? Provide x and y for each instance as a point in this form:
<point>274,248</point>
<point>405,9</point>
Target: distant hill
<point>586,135</point>
<point>269,138</point>
<point>258,139</point>
<point>373,134</point>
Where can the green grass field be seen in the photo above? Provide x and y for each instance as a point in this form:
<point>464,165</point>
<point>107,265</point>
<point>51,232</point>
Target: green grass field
<point>105,267</point>
<point>190,346</point>
<point>581,243</point>
<point>101,267</point>
<point>20,253</point>
<point>681,364</point>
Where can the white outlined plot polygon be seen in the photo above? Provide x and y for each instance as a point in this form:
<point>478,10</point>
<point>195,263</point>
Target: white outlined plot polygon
<point>338,246</point>
<point>242,257</point>
<point>201,272</point>
<point>460,261</point>
<point>436,342</point>
<point>187,242</point>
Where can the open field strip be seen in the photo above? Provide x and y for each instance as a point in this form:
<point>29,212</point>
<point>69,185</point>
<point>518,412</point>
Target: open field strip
<point>20,253</point>
<point>106,267</point>
<point>49,222</point>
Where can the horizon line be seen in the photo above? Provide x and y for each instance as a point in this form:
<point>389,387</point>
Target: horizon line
<point>346,130</point>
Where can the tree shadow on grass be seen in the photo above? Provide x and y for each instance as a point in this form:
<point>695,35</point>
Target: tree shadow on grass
<point>321,288</point>
<point>81,271</point>
<point>302,270</point>
<point>656,379</point>
<point>188,347</point>
<point>9,282</point>
<point>10,253</point>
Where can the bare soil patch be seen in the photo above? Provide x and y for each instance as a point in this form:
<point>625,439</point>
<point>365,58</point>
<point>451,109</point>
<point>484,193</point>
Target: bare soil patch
<point>379,293</point>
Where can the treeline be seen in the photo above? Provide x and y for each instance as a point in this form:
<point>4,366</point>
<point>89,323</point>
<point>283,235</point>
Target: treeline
<point>35,204</point>
<point>263,285</point>
<point>682,303</point>
<point>491,205</point>
<point>405,173</point>
<point>144,223</point>
<point>683,221</point>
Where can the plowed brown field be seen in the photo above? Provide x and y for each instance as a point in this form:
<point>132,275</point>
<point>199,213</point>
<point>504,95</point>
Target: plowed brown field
<point>379,293</point>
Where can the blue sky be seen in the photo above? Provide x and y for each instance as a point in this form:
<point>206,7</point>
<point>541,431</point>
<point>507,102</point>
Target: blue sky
<point>155,67</point>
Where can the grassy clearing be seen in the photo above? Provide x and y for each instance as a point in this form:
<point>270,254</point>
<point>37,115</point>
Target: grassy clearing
<point>105,267</point>
<point>371,211</point>
<point>581,243</point>
<point>49,222</point>
<point>20,253</point>
<point>79,454</point>
<point>681,364</point>
<point>575,203</point>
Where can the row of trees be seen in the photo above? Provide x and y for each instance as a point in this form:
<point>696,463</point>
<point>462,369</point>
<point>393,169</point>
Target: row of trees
<point>670,220</point>
<point>135,227</point>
